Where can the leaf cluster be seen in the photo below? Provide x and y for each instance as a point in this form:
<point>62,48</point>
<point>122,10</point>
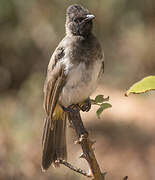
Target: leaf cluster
<point>102,103</point>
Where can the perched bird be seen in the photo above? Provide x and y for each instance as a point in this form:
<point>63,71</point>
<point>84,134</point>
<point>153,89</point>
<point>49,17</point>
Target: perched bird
<point>72,76</point>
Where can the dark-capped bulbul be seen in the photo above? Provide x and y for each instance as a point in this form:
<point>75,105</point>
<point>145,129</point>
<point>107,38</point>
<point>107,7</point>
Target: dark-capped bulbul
<point>73,74</point>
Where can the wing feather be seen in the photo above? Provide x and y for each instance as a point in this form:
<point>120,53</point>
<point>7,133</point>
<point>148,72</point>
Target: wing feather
<point>53,86</point>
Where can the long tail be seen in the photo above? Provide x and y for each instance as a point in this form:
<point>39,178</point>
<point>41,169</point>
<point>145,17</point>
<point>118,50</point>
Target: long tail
<point>54,139</point>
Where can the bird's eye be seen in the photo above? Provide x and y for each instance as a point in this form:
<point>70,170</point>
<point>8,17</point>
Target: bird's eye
<point>78,20</point>
<point>81,19</point>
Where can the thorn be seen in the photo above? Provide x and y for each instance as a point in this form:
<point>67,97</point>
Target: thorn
<point>56,163</point>
<point>70,126</point>
<point>77,142</point>
<point>82,137</point>
<point>82,156</point>
<point>43,170</point>
<point>103,174</point>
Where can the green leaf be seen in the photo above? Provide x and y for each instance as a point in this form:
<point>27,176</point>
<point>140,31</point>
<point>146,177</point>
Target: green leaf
<point>102,108</point>
<point>146,84</point>
<point>99,98</point>
<point>99,112</point>
<point>106,105</point>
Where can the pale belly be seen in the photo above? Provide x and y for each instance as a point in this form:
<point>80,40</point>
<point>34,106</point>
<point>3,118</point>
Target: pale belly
<point>81,83</point>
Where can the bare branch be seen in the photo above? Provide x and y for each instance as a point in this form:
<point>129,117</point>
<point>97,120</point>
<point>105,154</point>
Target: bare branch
<point>70,166</point>
<point>86,144</point>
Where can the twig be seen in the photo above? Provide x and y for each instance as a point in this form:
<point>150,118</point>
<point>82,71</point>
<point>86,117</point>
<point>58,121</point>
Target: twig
<point>88,152</point>
<point>86,144</point>
<point>78,170</point>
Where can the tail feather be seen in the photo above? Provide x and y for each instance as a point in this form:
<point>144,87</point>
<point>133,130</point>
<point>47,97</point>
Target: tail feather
<point>54,139</point>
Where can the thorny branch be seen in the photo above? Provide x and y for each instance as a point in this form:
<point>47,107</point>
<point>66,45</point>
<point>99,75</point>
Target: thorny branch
<point>78,170</point>
<point>86,145</point>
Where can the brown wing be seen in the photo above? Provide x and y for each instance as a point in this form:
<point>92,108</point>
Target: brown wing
<point>52,90</point>
<point>53,86</point>
<point>54,81</point>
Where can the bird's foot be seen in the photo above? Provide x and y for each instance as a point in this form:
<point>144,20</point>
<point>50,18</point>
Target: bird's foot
<point>71,108</point>
<point>86,105</point>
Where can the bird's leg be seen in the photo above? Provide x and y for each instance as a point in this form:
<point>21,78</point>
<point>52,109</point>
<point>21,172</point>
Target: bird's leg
<point>86,105</point>
<point>71,108</point>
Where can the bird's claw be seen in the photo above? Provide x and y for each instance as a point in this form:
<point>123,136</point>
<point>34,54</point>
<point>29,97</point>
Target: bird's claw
<point>86,105</point>
<point>72,108</point>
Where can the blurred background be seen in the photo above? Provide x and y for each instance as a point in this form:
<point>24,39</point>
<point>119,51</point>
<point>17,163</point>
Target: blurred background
<point>125,134</point>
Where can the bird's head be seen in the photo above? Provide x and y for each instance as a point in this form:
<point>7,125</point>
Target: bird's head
<point>78,21</point>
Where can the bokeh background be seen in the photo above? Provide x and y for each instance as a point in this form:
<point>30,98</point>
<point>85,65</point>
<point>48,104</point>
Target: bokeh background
<point>125,135</point>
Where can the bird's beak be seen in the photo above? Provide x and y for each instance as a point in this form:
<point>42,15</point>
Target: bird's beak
<point>89,17</point>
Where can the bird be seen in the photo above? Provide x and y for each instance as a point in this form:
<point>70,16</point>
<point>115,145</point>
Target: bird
<point>73,73</point>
